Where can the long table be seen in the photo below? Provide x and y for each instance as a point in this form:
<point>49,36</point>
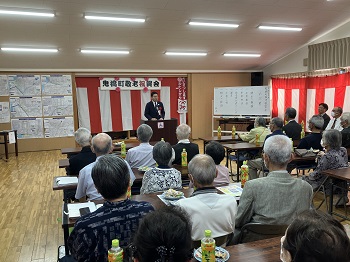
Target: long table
<point>69,151</point>
<point>332,174</point>
<point>226,139</point>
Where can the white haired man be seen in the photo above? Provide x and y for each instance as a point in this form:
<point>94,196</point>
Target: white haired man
<point>183,132</point>
<point>345,133</point>
<point>205,203</point>
<point>142,155</point>
<point>277,198</point>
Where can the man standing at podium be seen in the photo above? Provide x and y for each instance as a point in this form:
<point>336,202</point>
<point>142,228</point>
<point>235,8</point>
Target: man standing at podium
<point>154,109</point>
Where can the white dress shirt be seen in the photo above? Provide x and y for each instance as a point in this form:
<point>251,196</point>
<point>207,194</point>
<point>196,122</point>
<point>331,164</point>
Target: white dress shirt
<point>336,126</point>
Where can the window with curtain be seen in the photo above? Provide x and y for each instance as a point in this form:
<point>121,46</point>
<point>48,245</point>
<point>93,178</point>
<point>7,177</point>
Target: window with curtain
<point>331,54</point>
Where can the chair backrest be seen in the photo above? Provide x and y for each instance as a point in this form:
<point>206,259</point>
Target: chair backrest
<point>256,231</point>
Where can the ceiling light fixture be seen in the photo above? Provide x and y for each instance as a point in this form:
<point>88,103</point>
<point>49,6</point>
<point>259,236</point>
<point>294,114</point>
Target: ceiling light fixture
<point>241,55</point>
<point>94,51</point>
<point>186,53</point>
<point>27,12</point>
<point>283,28</point>
<point>25,49</point>
<point>111,17</point>
<point>213,23</point>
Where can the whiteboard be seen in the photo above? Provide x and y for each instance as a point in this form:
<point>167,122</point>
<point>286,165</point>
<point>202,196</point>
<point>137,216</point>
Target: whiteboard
<point>242,100</point>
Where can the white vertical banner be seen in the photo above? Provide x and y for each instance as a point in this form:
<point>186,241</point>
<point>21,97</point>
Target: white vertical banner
<point>310,103</point>
<point>182,119</point>
<point>329,96</point>
<point>83,106</point>
<point>295,102</point>
<point>145,98</point>
<point>105,109</point>
<point>125,99</point>
<point>346,105</point>
<point>280,103</point>
<point>165,99</point>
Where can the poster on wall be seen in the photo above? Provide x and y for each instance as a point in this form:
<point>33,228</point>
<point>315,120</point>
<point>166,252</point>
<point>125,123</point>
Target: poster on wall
<point>4,112</point>
<point>25,107</point>
<point>59,126</point>
<point>57,105</point>
<point>4,88</point>
<point>24,85</point>
<point>56,84</point>
<point>28,127</point>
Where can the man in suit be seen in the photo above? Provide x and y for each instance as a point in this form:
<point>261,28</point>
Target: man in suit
<point>277,198</point>
<point>335,122</point>
<point>154,109</point>
<point>322,109</point>
<point>292,129</point>
<point>86,156</point>
<point>345,123</point>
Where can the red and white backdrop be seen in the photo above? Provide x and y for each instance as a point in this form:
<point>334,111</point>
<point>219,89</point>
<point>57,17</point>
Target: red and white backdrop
<point>117,104</point>
<point>305,93</point>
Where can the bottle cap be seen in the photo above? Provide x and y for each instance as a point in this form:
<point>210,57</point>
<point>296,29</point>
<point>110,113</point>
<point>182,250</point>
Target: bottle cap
<point>115,243</point>
<point>207,233</point>
<point>184,150</point>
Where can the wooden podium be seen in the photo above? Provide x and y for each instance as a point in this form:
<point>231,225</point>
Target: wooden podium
<point>163,129</point>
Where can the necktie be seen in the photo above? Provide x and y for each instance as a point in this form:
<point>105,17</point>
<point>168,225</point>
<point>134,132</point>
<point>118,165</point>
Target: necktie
<point>333,124</point>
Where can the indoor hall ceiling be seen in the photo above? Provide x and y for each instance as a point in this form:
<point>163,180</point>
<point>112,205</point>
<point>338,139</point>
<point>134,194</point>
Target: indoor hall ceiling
<point>166,29</point>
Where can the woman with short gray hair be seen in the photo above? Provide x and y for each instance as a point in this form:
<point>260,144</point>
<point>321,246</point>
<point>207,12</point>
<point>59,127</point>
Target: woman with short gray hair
<point>161,177</point>
<point>334,157</point>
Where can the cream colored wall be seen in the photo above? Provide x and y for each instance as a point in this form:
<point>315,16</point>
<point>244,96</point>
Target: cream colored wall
<point>201,94</point>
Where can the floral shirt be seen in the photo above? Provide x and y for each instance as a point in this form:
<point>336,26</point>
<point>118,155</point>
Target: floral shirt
<point>160,179</point>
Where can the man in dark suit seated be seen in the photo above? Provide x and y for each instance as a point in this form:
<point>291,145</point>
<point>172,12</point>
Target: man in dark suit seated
<point>154,109</point>
<point>183,132</point>
<point>313,140</point>
<point>292,129</point>
<point>86,156</point>
<point>345,123</point>
<point>322,109</point>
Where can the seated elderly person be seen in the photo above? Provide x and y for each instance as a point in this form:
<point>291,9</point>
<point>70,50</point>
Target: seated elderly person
<point>93,233</point>
<point>259,130</point>
<point>277,198</point>
<point>101,145</point>
<point>183,132</point>
<point>313,140</point>
<point>162,177</point>
<point>334,157</point>
<point>345,123</point>
<point>254,165</point>
<point>292,128</point>
<point>163,235</point>
<point>217,152</point>
<point>142,155</point>
<point>85,156</point>
<point>317,237</point>
<point>206,203</point>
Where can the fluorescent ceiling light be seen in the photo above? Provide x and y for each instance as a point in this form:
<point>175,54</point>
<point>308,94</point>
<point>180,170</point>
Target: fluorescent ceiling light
<point>213,23</point>
<point>186,53</point>
<point>111,17</point>
<point>283,28</point>
<point>93,51</point>
<point>242,55</point>
<point>20,49</point>
<point>28,12</point>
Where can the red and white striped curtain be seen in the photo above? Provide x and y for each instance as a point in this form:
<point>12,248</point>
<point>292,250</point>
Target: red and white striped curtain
<point>306,93</point>
<point>104,111</point>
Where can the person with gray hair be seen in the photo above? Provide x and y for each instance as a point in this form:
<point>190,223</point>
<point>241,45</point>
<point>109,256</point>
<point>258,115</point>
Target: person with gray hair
<point>162,177</point>
<point>206,203</point>
<point>334,157</point>
<point>345,123</point>
<point>259,129</point>
<point>142,156</point>
<point>101,145</point>
<point>292,128</point>
<point>313,140</point>
<point>183,132</point>
<point>85,156</point>
<point>277,198</point>
<point>335,122</point>
<point>254,165</point>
